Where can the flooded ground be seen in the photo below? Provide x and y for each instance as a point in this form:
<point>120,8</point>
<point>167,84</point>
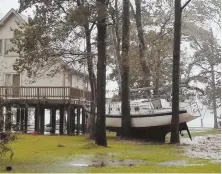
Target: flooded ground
<point>103,161</point>
<point>206,147</point>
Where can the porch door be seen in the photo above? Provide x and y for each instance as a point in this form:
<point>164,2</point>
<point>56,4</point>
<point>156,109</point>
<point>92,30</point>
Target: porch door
<point>16,84</point>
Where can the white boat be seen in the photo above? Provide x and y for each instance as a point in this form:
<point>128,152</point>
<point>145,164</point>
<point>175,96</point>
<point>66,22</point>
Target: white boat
<point>145,113</point>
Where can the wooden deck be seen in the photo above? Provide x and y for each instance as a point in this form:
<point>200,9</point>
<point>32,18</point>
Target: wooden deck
<point>47,94</point>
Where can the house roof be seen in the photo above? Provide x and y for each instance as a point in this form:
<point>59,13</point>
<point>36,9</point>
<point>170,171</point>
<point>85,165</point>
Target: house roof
<point>21,17</point>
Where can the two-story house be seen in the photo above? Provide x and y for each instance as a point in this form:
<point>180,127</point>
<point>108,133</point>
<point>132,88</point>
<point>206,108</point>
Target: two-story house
<point>70,82</point>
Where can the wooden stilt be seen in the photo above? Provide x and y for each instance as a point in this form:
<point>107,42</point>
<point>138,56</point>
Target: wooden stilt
<point>26,119</point>
<point>83,121</point>
<point>72,121</point>
<point>78,120</point>
<point>18,118</point>
<point>8,119</point>
<point>61,120</point>
<point>69,119</point>
<point>53,121</point>
<point>42,119</point>
<point>37,117</point>
<point>1,119</point>
<point>22,119</point>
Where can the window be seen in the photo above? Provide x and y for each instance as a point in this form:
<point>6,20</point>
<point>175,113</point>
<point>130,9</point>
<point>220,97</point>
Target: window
<point>12,80</point>
<point>8,46</point>
<point>8,79</point>
<point>1,47</point>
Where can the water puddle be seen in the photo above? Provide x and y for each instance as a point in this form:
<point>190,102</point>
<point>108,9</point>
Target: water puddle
<point>177,163</point>
<point>206,147</point>
<point>102,161</point>
<point>174,163</point>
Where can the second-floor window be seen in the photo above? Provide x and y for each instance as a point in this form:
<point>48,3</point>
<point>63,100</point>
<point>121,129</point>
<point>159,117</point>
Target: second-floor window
<point>1,47</point>
<point>8,46</point>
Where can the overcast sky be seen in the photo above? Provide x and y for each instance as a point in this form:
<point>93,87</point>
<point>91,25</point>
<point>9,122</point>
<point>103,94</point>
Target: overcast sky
<point>6,5</point>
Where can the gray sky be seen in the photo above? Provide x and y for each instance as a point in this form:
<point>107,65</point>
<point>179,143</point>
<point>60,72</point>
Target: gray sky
<point>6,5</point>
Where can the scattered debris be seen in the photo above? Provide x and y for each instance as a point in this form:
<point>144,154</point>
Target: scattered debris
<point>8,168</point>
<point>60,145</point>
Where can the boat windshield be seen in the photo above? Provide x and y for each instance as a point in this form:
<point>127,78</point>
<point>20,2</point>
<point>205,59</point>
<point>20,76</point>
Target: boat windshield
<point>156,103</point>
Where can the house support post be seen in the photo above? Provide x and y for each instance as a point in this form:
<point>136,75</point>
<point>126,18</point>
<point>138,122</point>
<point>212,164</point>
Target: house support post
<point>53,120</point>
<point>26,119</point>
<point>83,121</point>
<point>73,121</point>
<point>18,118</point>
<point>42,120</point>
<point>61,120</point>
<point>8,119</point>
<point>78,120</point>
<point>69,109</point>
<point>22,119</point>
<point>37,117</point>
<point>1,119</point>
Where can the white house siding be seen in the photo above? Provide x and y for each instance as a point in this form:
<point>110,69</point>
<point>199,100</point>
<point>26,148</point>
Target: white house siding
<point>7,61</point>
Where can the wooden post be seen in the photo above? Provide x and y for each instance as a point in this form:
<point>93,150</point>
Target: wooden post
<point>22,119</point>
<point>83,121</point>
<point>26,119</point>
<point>69,120</point>
<point>78,120</point>
<point>61,120</point>
<point>42,119</point>
<point>18,118</point>
<point>73,121</point>
<point>37,117</point>
<point>53,121</point>
<point>8,120</point>
<point>1,119</point>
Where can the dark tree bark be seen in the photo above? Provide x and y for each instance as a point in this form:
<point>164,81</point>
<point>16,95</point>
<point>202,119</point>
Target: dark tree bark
<point>214,96</point>
<point>142,47</point>
<point>92,77</point>
<point>116,41</point>
<point>92,80</point>
<point>176,72</point>
<point>126,121</point>
<point>101,74</point>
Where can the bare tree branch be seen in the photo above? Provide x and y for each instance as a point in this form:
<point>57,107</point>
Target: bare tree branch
<point>185,5</point>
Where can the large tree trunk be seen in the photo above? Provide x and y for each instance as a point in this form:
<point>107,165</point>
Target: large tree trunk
<point>142,47</point>
<point>214,96</point>
<point>101,74</point>
<point>116,42</point>
<point>92,80</point>
<point>157,78</point>
<point>176,74</point>
<point>126,121</point>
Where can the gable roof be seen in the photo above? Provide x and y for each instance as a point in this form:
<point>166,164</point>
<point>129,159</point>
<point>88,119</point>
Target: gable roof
<point>75,69</point>
<point>21,17</point>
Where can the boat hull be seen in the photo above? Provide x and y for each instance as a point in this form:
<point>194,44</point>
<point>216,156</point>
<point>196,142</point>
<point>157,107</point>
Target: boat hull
<point>148,120</point>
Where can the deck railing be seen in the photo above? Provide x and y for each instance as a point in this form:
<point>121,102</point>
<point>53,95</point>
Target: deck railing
<point>43,92</point>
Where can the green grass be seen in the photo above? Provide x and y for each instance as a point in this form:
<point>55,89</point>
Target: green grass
<point>42,154</point>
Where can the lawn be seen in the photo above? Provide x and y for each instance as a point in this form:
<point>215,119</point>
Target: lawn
<point>35,153</point>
